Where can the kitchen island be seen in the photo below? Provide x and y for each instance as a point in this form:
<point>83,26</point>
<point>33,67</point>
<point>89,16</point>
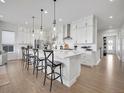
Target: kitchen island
<point>71,63</point>
<point>71,67</point>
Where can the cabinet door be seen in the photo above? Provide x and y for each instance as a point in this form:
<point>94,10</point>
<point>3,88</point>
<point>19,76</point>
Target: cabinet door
<point>81,33</point>
<point>89,34</point>
<point>90,20</point>
<point>74,32</point>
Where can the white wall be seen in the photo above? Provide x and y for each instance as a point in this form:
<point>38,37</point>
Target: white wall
<point>0,40</point>
<point>99,39</point>
<point>121,44</point>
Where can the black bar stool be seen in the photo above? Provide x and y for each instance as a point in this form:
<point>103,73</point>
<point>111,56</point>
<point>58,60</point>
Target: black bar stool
<point>22,48</point>
<point>49,62</point>
<point>23,55</point>
<point>38,62</point>
<point>29,57</point>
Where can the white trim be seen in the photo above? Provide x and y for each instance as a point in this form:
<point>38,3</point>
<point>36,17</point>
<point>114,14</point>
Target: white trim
<point>98,62</point>
<point>71,82</point>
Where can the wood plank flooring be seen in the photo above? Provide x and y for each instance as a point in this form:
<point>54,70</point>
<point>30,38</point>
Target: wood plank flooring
<point>107,77</point>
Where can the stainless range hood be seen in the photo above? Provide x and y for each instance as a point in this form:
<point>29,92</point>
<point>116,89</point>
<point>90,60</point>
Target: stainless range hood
<point>68,32</point>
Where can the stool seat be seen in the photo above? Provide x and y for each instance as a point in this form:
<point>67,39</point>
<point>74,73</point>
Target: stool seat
<point>56,63</point>
<point>41,58</point>
<point>31,56</point>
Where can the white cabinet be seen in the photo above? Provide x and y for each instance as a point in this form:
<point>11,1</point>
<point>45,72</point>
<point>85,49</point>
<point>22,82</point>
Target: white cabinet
<point>74,31</point>
<point>83,30</point>
<point>90,58</point>
<point>81,33</point>
<point>90,20</point>
<point>89,34</point>
<point>78,32</point>
<point>3,58</point>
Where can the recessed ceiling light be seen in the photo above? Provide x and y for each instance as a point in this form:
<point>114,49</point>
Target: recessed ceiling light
<point>45,12</point>
<point>1,16</point>
<point>111,0</point>
<point>60,19</point>
<point>3,1</point>
<point>110,17</point>
<point>26,22</point>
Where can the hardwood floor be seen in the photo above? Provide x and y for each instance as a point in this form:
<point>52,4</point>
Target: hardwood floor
<point>107,77</point>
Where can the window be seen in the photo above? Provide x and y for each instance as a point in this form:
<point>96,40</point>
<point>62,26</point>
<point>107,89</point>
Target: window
<point>8,48</point>
<point>8,41</point>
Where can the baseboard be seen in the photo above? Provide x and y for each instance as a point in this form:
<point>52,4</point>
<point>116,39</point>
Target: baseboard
<point>71,82</point>
<point>97,62</point>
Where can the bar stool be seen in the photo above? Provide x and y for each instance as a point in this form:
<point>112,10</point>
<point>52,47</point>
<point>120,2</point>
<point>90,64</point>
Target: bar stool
<point>23,55</point>
<point>49,62</point>
<point>22,48</point>
<point>29,58</point>
<point>38,62</point>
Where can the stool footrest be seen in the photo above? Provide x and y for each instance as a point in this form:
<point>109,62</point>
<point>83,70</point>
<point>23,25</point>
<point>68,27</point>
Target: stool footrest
<point>53,78</point>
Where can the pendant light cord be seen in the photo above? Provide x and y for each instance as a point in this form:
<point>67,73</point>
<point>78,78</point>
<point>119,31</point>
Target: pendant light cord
<point>54,22</point>
<point>41,19</point>
<point>33,23</point>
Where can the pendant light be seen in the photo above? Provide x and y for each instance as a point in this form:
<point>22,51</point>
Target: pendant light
<point>33,26</point>
<point>41,28</point>
<point>54,21</point>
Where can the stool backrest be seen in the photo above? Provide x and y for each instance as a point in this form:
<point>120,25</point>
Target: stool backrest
<point>36,53</point>
<point>49,57</point>
<point>27,51</point>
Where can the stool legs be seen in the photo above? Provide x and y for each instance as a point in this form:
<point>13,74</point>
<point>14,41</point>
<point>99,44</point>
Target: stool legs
<point>51,82</point>
<point>28,65</point>
<point>52,76</point>
<point>45,75</point>
<point>37,68</point>
<point>34,65</point>
<point>61,74</point>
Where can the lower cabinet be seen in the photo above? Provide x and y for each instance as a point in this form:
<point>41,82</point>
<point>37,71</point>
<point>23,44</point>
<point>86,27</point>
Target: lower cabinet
<point>3,58</point>
<point>90,58</point>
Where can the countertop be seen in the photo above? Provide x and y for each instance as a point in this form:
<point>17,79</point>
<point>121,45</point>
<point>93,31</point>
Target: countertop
<point>67,53</point>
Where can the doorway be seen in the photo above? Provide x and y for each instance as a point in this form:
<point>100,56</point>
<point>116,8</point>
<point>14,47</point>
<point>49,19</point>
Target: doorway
<point>111,45</point>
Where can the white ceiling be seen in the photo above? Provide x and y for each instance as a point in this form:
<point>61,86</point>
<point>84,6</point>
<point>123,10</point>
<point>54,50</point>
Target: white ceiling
<point>19,11</point>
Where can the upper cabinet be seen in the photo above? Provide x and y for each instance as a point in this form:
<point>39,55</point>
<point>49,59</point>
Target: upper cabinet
<point>83,30</point>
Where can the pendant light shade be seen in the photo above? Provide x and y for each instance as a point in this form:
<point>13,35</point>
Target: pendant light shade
<point>54,21</point>
<point>41,28</point>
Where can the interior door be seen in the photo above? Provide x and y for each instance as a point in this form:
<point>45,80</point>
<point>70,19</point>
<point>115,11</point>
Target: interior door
<point>111,44</point>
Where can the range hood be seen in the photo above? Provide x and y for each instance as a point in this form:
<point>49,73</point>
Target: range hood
<point>68,32</point>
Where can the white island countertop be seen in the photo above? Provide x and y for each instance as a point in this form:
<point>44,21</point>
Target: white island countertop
<point>67,53</point>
